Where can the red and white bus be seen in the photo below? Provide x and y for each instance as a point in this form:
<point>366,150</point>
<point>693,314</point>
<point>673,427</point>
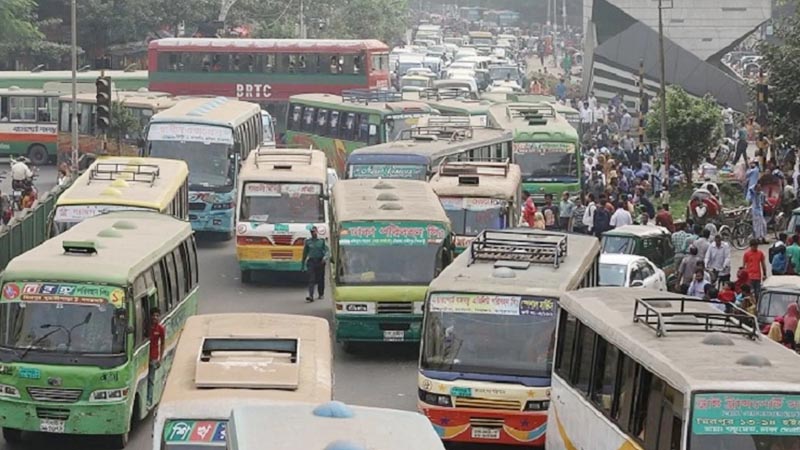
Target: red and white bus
<point>267,71</point>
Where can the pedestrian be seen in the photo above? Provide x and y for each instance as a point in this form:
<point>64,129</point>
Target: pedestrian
<point>718,261</point>
<point>754,262</point>
<point>601,218</point>
<point>664,218</point>
<point>790,319</point>
<point>565,209</point>
<point>775,332</point>
<point>728,293</point>
<point>751,177</point>
<point>561,90</point>
<point>687,268</point>
<point>697,287</point>
<point>588,215</point>
<point>747,302</point>
<point>703,242</point>
<point>550,213</point>
<point>626,123</point>
<point>538,221</point>
<point>741,144</point>
<point>577,225</point>
<point>793,255</point>
<point>727,120</point>
<point>779,263</point>
<point>757,199</point>
<point>157,335</point>
<point>315,253</point>
<point>781,242</point>
<point>621,216</point>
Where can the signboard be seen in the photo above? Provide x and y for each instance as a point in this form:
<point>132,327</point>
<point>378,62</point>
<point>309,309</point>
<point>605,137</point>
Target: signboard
<point>248,91</point>
<point>389,171</point>
<point>471,203</point>
<point>64,293</point>
<point>276,189</point>
<point>211,432</point>
<point>753,414</point>
<point>77,213</point>
<point>543,147</point>
<point>391,233</point>
<point>184,132</point>
<point>506,305</point>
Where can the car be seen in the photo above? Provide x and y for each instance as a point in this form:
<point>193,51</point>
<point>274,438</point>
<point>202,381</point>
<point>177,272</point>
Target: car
<point>630,271</point>
<point>654,243</point>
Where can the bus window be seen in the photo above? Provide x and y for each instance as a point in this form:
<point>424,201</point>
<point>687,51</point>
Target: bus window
<point>268,63</point>
<point>294,118</point>
<point>195,274</point>
<point>583,358</point>
<point>308,119</point>
<point>181,285</point>
<point>358,65</point>
<point>566,337</point>
<point>47,109</point>
<point>22,109</point>
<point>322,122</point>
<point>334,128</point>
<point>336,65</point>
<point>363,127</point>
<point>348,127</point>
<point>604,382</point>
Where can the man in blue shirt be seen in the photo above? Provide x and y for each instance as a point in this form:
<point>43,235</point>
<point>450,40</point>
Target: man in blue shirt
<point>561,90</point>
<point>752,175</point>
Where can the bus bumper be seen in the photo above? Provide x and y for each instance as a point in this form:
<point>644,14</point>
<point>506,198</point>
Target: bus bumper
<point>378,327</point>
<point>215,222</point>
<point>75,418</point>
<point>275,265</point>
<point>282,258</point>
<point>485,426</point>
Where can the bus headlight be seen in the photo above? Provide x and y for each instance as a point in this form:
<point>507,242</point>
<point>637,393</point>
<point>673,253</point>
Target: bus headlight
<point>8,391</point>
<point>434,399</point>
<point>109,395</point>
<point>537,405</point>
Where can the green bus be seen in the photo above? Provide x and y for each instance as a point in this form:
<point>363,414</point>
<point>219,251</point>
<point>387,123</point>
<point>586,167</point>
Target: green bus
<point>75,321</point>
<point>340,124</point>
<point>546,147</point>
<point>390,238</point>
<point>477,110</point>
<point>123,80</point>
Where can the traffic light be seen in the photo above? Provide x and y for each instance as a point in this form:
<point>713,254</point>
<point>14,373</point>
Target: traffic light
<point>103,116</point>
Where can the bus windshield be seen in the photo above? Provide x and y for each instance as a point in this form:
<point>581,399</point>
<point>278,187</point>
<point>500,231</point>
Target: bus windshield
<point>67,216</point>
<point>210,165</point>
<point>388,264</point>
<point>282,203</point>
<point>622,245</point>
<point>60,327</point>
<point>613,274</point>
<point>470,215</point>
<point>547,166</point>
<point>481,42</point>
<point>744,421</point>
<point>489,334</point>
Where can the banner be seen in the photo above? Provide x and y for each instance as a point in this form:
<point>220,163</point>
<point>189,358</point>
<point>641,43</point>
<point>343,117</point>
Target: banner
<point>471,203</point>
<point>506,305</point>
<point>543,147</point>
<point>64,293</point>
<point>184,132</point>
<point>752,414</point>
<point>388,171</point>
<point>391,233</point>
<point>276,189</point>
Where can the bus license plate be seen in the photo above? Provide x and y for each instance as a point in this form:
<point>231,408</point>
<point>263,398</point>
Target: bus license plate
<point>485,433</point>
<point>52,426</point>
<point>394,335</point>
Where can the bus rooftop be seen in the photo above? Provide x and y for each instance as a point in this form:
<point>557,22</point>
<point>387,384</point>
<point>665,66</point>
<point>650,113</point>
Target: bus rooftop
<point>386,200</point>
<point>220,111</point>
<point>476,179</point>
<point>334,425</point>
<point>121,244</point>
<point>532,121</point>
<point>383,104</point>
<point>274,45</point>
<point>293,165</point>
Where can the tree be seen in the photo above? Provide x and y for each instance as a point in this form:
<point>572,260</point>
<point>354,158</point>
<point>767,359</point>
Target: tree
<point>17,24</point>
<point>693,127</point>
<point>385,20</point>
<point>782,62</point>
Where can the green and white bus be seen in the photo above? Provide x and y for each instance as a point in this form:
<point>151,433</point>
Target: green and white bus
<point>340,124</point>
<point>450,103</point>
<point>546,147</point>
<point>390,239</point>
<point>123,80</point>
<point>75,321</point>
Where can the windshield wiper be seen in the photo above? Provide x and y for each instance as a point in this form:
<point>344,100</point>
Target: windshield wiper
<point>57,329</point>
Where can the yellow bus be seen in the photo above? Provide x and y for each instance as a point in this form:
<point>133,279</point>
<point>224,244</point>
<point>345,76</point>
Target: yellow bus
<point>121,183</point>
<point>228,360</point>
<point>489,330</point>
<point>282,194</point>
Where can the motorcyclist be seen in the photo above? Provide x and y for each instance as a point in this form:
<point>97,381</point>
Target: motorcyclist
<point>21,174</point>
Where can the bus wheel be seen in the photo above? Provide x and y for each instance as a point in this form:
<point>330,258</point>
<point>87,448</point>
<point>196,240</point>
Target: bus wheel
<point>120,441</point>
<point>247,276</point>
<point>12,435</point>
<point>38,155</point>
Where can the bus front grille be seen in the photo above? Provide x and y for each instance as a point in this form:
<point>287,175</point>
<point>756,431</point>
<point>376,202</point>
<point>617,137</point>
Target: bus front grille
<point>483,403</point>
<point>52,413</point>
<point>395,308</point>
<point>197,206</point>
<point>283,239</point>
<point>55,395</point>
<point>486,422</point>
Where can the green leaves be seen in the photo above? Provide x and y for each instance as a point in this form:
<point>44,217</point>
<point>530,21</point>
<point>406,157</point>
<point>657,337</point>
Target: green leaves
<point>693,127</point>
<point>782,63</point>
<point>18,21</point>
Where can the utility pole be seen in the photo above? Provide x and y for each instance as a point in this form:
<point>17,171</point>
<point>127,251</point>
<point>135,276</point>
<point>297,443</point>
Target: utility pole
<point>302,21</point>
<point>663,93</point>
<point>564,15</point>
<point>555,33</point>
<point>642,110</point>
<point>74,119</point>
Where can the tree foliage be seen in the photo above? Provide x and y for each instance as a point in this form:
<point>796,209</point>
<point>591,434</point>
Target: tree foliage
<point>385,20</point>
<point>693,127</point>
<point>782,62</point>
<point>17,24</point>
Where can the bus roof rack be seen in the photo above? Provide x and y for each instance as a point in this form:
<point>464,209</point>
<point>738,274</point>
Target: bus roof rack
<point>733,320</point>
<point>444,93</point>
<point>282,159</point>
<point>370,95</point>
<point>530,111</point>
<point>519,247</point>
<point>253,358</point>
<point>145,173</point>
<point>497,167</point>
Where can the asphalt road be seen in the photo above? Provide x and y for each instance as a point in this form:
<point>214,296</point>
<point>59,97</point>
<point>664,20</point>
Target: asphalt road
<point>380,375</point>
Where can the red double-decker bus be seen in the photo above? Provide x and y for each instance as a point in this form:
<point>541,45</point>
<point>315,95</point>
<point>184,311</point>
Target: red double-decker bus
<point>267,71</point>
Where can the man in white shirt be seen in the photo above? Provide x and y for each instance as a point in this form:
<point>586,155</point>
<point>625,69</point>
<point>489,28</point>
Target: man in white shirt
<point>588,214</point>
<point>621,217</point>
<point>727,120</point>
<point>20,173</point>
<point>718,259</point>
<point>587,115</point>
<point>592,101</point>
<point>626,123</point>
<point>601,113</point>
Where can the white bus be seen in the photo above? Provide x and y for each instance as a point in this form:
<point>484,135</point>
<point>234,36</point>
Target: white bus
<point>643,369</point>
<point>488,334</point>
<point>282,195</point>
<point>213,136</point>
<point>228,360</point>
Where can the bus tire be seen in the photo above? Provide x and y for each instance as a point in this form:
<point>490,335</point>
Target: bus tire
<point>247,276</point>
<point>12,435</point>
<point>38,155</point>
<point>120,441</point>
